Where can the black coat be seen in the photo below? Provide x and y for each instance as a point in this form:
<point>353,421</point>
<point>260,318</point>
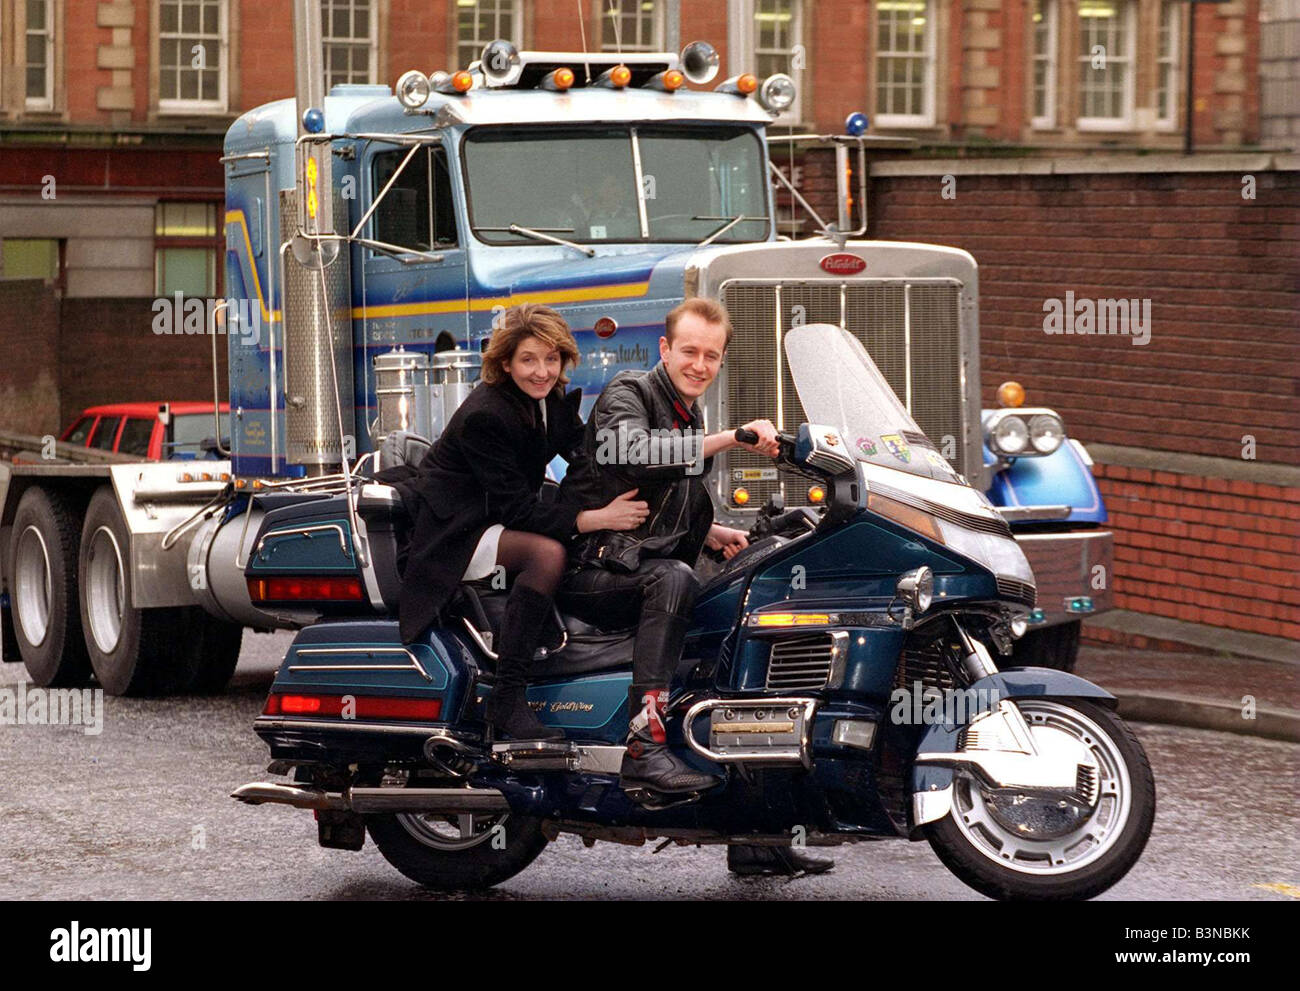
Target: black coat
<point>487,467</point>
<point>642,436</point>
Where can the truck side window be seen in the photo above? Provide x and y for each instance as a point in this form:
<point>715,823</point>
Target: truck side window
<point>78,434</point>
<point>136,434</point>
<point>105,433</point>
<point>419,203</point>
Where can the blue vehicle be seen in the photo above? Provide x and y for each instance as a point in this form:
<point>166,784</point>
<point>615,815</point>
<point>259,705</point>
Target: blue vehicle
<point>840,673</point>
<point>373,236</point>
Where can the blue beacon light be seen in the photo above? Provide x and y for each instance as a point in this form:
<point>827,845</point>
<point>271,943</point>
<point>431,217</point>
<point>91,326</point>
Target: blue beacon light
<point>313,120</point>
<point>856,123</point>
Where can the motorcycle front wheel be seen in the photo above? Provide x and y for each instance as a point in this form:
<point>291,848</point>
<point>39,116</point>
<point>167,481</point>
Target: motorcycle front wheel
<point>457,852</point>
<point>1018,847</point>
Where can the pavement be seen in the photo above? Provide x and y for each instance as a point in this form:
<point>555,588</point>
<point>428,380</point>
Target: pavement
<point>1206,691</point>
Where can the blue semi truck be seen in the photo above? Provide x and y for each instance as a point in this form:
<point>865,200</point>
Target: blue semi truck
<point>372,238</point>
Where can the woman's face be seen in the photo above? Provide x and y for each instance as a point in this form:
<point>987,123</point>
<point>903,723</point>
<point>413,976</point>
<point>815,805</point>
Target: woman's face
<point>535,367</point>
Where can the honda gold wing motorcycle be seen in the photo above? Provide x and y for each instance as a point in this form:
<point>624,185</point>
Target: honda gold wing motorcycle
<point>840,678</point>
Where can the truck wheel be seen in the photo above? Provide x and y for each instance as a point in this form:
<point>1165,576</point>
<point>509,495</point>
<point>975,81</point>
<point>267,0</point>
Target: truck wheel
<point>130,649</point>
<point>214,653</point>
<point>43,588</point>
<point>1050,647</point>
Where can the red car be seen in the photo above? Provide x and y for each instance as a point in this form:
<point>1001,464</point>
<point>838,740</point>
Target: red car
<point>154,431</point>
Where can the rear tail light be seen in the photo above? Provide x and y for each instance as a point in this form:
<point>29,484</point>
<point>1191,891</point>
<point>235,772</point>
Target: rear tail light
<point>352,706</point>
<point>339,589</point>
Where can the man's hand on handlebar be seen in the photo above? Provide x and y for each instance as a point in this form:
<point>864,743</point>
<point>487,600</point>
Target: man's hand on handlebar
<point>724,538</point>
<point>760,436</point>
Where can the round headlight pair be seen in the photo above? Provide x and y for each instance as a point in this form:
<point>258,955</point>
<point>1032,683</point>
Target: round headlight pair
<point>1026,432</point>
<point>777,93</point>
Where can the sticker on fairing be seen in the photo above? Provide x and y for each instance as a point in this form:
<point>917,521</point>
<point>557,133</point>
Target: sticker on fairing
<point>898,447</point>
<point>867,446</point>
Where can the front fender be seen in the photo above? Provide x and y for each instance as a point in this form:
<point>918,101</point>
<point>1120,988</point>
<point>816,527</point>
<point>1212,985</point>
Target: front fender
<point>932,784</point>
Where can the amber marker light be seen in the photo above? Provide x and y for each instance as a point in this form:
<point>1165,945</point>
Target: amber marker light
<point>793,619</point>
<point>563,78</point>
<point>816,494</point>
<point>740,496</point>
<point>747,83</point>
<point>461,81</point>
<point>620,76</point>
<point>673,79</point>
<point>1011,394</point>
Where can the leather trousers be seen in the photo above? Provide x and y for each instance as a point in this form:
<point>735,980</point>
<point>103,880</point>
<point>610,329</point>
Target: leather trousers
<point>658,599</point>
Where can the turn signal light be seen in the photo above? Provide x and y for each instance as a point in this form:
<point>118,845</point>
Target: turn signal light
<point>461,81</point>
<point>792,619</point>
<point>563,78</point>
<point>673,80</point>
<point>356,706</point>
<point>740,496</point>
<point>816,494</point>
<point>1011,394</point>
<point>620,75</point>
<point>343,589</point>
<point>747,83</point>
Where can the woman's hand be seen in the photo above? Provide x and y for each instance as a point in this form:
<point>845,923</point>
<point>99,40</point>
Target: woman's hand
<point>622,513</point>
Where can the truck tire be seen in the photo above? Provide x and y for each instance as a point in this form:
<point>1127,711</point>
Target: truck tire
<point>214,653</point>
<point>1050,647</point>
<point>132,651</point>
<point>43,588</point>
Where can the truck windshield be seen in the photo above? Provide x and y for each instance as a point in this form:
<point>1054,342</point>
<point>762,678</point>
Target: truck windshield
<point>580,184</point>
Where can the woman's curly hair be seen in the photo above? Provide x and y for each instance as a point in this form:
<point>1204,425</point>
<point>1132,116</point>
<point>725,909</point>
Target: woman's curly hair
<point>528,320</point>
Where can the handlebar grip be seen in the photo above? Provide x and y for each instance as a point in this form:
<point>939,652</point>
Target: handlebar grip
<point>744,436</point>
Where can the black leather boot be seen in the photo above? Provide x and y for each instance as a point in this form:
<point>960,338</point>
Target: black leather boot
<point>788,861</point>
<point>507,709</point>
<point>649,764</point>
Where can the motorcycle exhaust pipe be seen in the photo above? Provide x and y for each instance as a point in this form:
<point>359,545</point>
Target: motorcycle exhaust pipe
<point>375,800</point>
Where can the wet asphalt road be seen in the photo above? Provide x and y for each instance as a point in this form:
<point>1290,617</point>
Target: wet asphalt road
<point>141,811</point>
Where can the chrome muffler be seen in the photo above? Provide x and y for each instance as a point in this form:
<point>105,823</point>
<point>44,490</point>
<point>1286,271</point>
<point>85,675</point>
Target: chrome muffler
<point>375,800</point>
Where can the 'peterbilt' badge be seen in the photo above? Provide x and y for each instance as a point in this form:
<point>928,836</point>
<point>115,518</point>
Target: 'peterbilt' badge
<point>842,263</point>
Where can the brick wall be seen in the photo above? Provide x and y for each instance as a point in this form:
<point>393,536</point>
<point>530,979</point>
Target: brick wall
<point>29,392</point>
<point>1205,550</point>
<point>1221,273</point>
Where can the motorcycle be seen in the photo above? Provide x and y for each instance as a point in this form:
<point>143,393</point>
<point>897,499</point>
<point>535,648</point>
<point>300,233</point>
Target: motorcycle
<point>839,678</point>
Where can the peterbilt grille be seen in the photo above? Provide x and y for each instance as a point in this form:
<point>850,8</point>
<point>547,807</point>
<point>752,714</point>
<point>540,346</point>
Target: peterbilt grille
<point>1018,591</point>
<point>800,662</point>
<point>911,329</point>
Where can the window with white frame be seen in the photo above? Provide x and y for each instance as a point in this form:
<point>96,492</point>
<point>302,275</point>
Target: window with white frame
<point>778,45</point>
<point>1106,41</point>
<point>905,63</point>
<point>481,21</point>
<point>631,25</point>
<point>192,55</point>
<point>1167,66</point>
<point>348,37</point>
<point>40,55</point>
<point>1044,63</point>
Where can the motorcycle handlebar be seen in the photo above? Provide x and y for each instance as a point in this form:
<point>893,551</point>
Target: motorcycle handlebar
<point>744,436</point>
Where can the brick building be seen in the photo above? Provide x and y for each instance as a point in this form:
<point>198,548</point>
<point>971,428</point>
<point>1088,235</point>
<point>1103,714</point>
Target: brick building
<point>1061,123</point>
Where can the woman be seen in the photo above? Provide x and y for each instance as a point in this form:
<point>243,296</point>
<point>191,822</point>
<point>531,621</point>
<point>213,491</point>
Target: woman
<point>477,509</point>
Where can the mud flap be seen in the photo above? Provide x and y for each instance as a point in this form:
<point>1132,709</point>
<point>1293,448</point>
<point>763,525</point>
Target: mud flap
<point>340,830</point>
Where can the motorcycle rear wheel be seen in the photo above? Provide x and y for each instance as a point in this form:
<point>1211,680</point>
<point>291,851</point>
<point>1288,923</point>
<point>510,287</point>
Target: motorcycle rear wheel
<point>976,843</point>
<point>457,853</point>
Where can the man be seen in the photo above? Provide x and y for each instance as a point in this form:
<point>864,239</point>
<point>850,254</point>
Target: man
<point>646,432</point>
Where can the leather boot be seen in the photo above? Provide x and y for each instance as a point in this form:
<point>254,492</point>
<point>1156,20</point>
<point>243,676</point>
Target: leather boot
<point>788,861</point>
<point>649,763</point>
<point>507,709</point>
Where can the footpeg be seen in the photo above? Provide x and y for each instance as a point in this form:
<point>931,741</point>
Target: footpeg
<point>656,801</point>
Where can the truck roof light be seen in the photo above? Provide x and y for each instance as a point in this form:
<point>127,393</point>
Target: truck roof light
<point>742,85</point>
<point>669,80</point>
<point>700,62</point>
<point>461,81</point>
<point>413,89</point>
<point>617,77</point>
<point>558,80</point>
<point>1011,394</point>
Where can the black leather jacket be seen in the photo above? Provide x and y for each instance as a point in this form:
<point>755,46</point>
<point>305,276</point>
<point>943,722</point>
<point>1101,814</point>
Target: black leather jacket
<point>640,435</point>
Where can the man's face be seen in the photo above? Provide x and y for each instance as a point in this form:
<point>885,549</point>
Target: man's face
<point>695,354</point>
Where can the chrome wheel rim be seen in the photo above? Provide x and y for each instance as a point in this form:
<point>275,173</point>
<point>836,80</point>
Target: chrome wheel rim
<point>33,586</point>
<point>451,832</point>
<point>1062,851</point>
<point>105,589</point>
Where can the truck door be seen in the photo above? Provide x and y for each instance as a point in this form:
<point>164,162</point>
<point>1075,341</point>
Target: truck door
<point>410,300</point>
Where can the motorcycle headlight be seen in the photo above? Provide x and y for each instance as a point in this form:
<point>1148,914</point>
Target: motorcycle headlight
<point>1046,433</point>
<point>916,588</point>
<point>1010,435</point>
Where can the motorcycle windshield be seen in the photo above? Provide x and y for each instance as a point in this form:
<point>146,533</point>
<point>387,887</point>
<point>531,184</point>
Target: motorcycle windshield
<point>840,386</point>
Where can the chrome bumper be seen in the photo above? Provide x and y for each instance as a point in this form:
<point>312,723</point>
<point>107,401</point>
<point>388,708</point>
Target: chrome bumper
<point>1074,572</point>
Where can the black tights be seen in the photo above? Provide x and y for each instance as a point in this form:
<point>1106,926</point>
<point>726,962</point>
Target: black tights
<point>537,562</point>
